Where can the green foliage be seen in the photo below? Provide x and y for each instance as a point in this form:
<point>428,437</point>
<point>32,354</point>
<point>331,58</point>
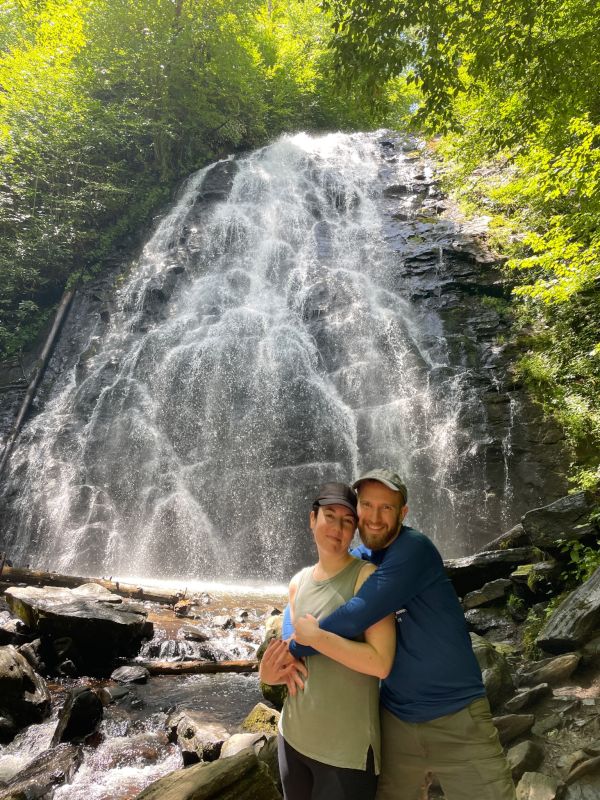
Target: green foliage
<point>535,621</point>
<point>584,560</point>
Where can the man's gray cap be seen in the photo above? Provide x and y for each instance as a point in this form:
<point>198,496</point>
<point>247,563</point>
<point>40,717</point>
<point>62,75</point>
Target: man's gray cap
<point>390,479</point>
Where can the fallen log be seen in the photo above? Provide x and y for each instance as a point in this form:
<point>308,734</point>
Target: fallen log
<point>195,667</point>
<point>9,576</point>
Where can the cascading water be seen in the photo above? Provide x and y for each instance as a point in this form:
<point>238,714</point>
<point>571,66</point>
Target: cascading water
<point>261,346</point>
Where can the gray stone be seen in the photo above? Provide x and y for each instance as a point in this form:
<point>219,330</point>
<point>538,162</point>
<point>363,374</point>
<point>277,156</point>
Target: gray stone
<point>585,789</point>
<point>99,631</point>
<point>93,591</point>
<point>193,633</point>
<point>590,766</point>
<point>550,723</point>
<point>566,519</point>
<point>495,670</point>
<point>524,757</point>
<point>549,670</point>
<point>49,769</point>
<point>24,696</point>
<point>241,777</point>
<point>528,697</point>
<point>515,537</point>
<point>490,619</point>
<point>575,619</point>
<point>537,786</point>
<point>494,590</point>
<point>510,726</point>
<point>472,572</point>
<point>198,738</point>
<point>539,578</point>
<point>261,719</point>
<point>590,652</point>
<point>130,674</point>
<point>80,716</point>
<point>241,741</point>
<point>224,622</point>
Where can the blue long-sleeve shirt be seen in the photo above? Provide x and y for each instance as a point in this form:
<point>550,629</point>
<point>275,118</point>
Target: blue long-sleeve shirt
<point>435,671</point>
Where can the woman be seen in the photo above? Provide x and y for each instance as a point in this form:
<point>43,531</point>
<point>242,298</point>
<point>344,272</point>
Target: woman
<point>329,732</point>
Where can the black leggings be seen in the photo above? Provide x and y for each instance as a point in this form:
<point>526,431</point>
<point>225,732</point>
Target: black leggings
<point>303,778</point>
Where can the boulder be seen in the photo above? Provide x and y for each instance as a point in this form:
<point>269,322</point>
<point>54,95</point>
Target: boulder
<point>193,633</point>
<point>494,669</point>
<point>575,619</point>
<point>224,622</point>
<point>241,777</point>
<point>590,652</point>
<point>24,696</point>
<point>494,590</point>
<point>551,722</point>
<point>80,716</point>
<point>537,786</point>
<point>539,578</point>
<point>590,766</point>
<point>490,619</point>
<point>100,630</point>
<point>567,519</point>
<point>549,670</point>
<point>524,757</point>
<point>50,769</point>
<point>510,726</point>
<point>515,537</point>
<point>472,572</point>
<point>528,697</point>
<point>261,719</point>
<point>241,741</point>
<point>130,674</point>
<point>198,739</point>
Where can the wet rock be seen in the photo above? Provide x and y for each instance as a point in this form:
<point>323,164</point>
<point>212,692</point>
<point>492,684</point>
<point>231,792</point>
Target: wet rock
<point>585,789</point>
<point>537,786</point>
<point>80,716</point>
<point>549,670</point>
<point>218,181</point>
<point>111,694</point>
<point>524,757</point>
<point>241,777</point>
<point>494,590</point>
<point>24,697</point>
<point>131,674</point>
<point>198,739</point>
<point>193,633</point>
<point>94,591</point>
<point>193,607</point>
<point>100,631</point>
<point>490,620</point>
<point>575,619</point>
<point>50,769</point>
<point>566,519</point>
<point>472,572</point>
<point>224,622</point>
<point>510,726</point>
<point>528,697</point>
<point>32,652</point>
<point>261,719</point>
<point>495,670</point>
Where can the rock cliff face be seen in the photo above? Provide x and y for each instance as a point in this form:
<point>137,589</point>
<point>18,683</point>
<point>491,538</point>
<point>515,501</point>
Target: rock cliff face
<point>499,457</point>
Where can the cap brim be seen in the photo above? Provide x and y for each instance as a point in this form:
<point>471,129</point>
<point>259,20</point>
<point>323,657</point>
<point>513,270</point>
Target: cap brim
<point>337,501</point>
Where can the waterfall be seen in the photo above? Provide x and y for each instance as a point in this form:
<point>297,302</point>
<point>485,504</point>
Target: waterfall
<point>263,343</point>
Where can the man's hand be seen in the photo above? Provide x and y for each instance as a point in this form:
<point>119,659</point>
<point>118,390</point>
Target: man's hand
<point>306,630</point>
<point>279,666</point>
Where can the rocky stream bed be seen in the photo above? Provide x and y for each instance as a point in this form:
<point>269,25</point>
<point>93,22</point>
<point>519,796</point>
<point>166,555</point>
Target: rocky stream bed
<point>102,697</point>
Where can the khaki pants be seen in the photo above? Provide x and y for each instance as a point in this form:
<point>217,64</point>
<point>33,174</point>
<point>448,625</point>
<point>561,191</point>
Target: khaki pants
<point>461,749</point>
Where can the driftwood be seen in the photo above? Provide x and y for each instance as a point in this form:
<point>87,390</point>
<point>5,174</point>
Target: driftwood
<point>195,667</point>
<point>30,577</point>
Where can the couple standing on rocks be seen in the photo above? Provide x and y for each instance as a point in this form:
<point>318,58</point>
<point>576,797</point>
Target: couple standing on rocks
<point>385,610</point>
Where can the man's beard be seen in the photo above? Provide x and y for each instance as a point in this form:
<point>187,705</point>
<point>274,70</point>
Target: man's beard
<point>378,542</point>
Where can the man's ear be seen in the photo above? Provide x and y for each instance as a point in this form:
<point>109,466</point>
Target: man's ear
<point>403,512</point>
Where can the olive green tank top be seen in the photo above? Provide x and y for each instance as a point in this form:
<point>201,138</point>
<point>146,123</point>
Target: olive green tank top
<point>336,718</point>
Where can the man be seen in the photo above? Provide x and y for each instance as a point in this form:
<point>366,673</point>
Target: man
<point>434,716</point>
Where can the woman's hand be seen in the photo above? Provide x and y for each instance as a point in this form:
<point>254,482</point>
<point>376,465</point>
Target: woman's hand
<point>306,630</point>
<point>278,666</point>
